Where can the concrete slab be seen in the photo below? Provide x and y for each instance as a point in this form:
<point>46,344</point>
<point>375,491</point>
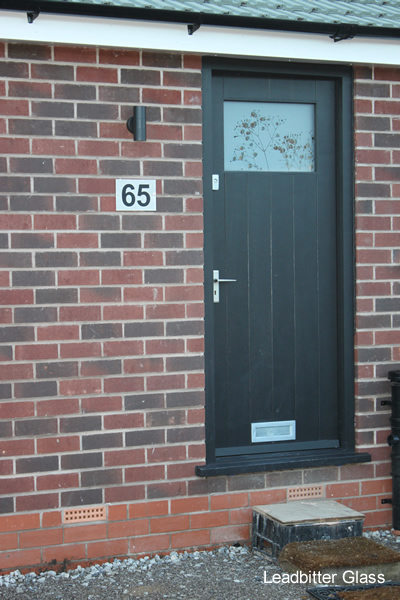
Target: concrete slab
<point>308,511</point>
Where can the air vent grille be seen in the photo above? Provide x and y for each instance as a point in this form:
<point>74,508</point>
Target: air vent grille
<point>301,493</point>
<point>82,515</point>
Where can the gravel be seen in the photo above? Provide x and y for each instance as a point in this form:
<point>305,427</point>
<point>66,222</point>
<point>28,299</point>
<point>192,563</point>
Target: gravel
<point>230,572</point>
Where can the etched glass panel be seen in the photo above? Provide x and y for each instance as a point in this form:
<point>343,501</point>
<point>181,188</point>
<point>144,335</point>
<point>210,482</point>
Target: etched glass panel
<point>268,136</point>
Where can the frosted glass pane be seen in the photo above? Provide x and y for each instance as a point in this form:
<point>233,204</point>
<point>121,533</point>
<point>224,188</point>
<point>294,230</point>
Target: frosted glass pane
<point>268,136</point>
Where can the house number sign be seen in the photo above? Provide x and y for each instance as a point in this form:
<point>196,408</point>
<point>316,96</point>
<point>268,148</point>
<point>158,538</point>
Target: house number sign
<point>136,194</point>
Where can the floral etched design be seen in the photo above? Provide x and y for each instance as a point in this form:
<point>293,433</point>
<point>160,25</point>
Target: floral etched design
<point>262,139</point>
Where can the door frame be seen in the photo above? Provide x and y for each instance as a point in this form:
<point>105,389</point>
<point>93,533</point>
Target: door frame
<point>342,77</point>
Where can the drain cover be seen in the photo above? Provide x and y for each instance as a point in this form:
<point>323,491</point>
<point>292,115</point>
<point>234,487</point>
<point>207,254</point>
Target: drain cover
<point>331,593</point>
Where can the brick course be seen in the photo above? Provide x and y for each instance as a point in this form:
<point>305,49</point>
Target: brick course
<point>102,349</point>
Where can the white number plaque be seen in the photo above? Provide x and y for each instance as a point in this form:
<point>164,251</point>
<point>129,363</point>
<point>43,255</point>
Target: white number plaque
<point>136,194</point>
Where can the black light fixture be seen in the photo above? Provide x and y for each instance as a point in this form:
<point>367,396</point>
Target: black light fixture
<point>137,124</point>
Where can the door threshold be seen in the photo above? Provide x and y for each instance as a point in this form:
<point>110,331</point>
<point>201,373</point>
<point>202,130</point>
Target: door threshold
<point>281,461</point>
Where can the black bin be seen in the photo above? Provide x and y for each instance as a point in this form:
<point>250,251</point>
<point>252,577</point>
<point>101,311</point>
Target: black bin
<point>394,442</point>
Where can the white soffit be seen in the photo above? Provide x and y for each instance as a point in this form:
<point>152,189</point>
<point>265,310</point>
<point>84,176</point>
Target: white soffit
<point>171,37</point>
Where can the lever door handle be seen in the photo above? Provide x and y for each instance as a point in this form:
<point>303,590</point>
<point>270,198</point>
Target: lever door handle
<point>216,282</point>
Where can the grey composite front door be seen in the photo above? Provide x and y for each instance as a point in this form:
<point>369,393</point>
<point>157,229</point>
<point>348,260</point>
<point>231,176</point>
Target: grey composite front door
<point>274,370</point>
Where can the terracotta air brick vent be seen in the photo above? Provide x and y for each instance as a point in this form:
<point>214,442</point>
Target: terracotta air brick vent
<point>83,515</point>
<point>299,493</point>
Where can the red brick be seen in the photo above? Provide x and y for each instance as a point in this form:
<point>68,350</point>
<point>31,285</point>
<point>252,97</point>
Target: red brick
<point>190,539</point>
<point>74,54</point>
<point>128,529</point>
<point>165,382</point>
<point>142,149</point>
<point>197,451</point>
<point>373,289</point>
<point>124,348</point>
<point>169,524</point>
<point>192,133</point>
<point>123,384</point>
<point>143,258</point>
<point>144,365</point>
<point>124,421</point>
<point>110,549</point>
<point>101,404</point>
<point>229,501</point>
<point>374,257</point>
<point>84,533</point>
<point>342,490</point>
<point>55,482</point>
<point>80,350</point>
<point>80,277</point>
<point>96,186</point>
<point>378,486</point>
<point>189,505</point>
<point>75,387</point>
<point>368,223</point>
<point>19,522</point>
<point>387,239</point>
<point>239,517</point>
<point>19,485</point>
<point>60,444</point>
<point>117,512</point>
<point>210,519</point>
<point>161,96</point>
<point>156,131</point>
<point>267,497</point>
<point>14,146</point>
<point>46,537</point>
<point>166,454</point>
<point>97,148</point>
<point>53,222</point>
<point>122,276</point>
<point>192,97</point>
<point>192,61</point>
<point>58,553</point>
<point>6,315</point>
<point>37,502</point>
<point>15,410</point>
<point>122,313</point>
<point>145,473</point>
<point>14,107</point>
<point>387,107</point>
<point>80,313</point>
<point>148,509</point>
<point>51,519</point>
<point>6,467</point>
<point>195,345</point>
<point>20,558</point>
<point>8,541</point>
<point>100,74</point>
<point>234,533</point>
<point>151,543</point>
<point>77,240</point>
<point>362,105</point>
<point>16,448</point>
<point>16,297</point>
<point>144,294</point>
<point>170,346</point>
<point>16,371</point>
<point>387,337</point>
<point>53,147</point>
<point>381,519</point>
<point>47,408</point>
<point>126,493</point>
<point>15,221</point>
<point>58,332</point>
<point>78,166</point>
<point>195,380</point>
<point>181,471</point>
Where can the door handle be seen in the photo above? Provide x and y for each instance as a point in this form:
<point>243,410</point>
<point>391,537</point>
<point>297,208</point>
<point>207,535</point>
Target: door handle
<point>216,282</point>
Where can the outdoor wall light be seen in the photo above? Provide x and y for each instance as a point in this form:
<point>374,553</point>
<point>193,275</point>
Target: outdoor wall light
<point>137,124</point>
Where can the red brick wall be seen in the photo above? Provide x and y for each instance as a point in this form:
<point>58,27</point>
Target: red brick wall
<point>101,400</point>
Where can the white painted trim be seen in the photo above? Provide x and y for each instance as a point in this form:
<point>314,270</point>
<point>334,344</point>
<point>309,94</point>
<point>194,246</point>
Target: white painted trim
<point>171,37</point>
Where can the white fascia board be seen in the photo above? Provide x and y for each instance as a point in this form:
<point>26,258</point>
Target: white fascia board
<point>172,37</point>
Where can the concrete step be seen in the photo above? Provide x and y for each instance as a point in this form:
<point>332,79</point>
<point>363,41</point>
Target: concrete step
<point>275,525</point>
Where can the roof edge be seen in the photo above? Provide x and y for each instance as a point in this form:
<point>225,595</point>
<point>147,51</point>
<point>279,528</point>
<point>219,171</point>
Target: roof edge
<point>336,31</point>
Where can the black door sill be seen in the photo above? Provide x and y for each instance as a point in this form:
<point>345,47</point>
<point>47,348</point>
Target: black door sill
<point>281,461</point>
